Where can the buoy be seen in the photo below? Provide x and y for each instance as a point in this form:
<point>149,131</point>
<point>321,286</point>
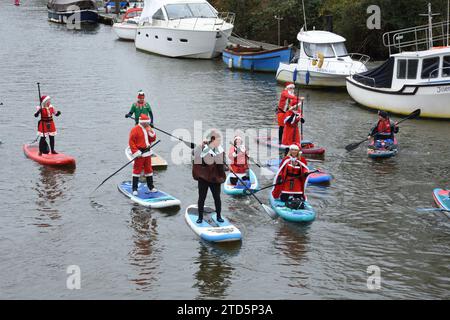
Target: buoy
<point>230,63</point>
<point>17,2</point>
<point>321,58</point>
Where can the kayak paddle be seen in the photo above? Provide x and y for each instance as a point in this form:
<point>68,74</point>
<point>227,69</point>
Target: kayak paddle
<point>353,146</point>
<point>123,167</point>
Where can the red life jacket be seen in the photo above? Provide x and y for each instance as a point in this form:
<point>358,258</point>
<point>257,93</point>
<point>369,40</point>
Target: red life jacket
<point>384,126</point>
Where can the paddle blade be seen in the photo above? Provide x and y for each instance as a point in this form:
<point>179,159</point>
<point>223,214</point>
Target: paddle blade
<point>272,214</point>
<point>353,146</point>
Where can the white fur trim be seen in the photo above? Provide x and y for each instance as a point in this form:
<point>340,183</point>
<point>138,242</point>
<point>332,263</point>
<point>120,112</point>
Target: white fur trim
<point>45,100</point>
<point>149,174</point>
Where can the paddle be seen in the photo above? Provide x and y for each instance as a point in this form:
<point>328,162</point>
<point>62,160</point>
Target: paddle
<point>123,167</point>
<point>432,210</point>
<point>40,121</point>
<point>353,146</point>
<point>189,144</point>
<point>266,208</point>
<point>247,192</point>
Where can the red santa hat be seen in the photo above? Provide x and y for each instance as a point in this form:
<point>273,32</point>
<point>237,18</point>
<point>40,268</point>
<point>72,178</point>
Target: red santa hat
<point>290,85</point>
<point>44,99</point>
<point>295,146</point>
<point>144,119</point>
<point>141,94</point>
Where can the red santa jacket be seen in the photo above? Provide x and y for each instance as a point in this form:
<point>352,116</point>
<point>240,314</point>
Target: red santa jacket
<point>239,162</point>
<point>291,133</point>
<point>285,100</point>
<point>293,176</point>
<point>141,138</point>
<point>46,124</point>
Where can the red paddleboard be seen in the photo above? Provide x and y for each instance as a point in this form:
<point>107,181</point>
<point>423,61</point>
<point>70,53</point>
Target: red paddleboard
<point>308,148</point>
<point>60,159</point>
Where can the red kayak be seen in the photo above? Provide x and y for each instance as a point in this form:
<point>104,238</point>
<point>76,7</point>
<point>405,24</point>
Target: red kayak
<point>60,159</point>
<point>308,148</point>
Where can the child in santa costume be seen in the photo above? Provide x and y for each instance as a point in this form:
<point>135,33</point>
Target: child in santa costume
<point>239,160</point>
<point>287,96</point>
<point>46,126</point>
<point>291,133</point>
<point>141,137</point>
<point>291,178</point>
<point>140,107</point>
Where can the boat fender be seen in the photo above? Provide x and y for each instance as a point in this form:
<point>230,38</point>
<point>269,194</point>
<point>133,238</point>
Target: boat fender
<point>321,58</point>
<point>230,63</point>
<point>240,62</point>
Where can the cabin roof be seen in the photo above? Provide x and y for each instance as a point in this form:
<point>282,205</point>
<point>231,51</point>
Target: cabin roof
<point>423,54</point>
<point>319,37</point>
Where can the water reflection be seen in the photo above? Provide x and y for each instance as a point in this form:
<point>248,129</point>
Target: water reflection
<point>144,255</point>
<point>50,189</point>
<point>213,277</point>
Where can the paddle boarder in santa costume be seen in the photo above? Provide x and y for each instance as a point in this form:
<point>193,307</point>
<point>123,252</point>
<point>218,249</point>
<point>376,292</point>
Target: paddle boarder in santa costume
<point>291,133</point>
<point>287,96</point>
<point>141,137</point>
<point>46,126</point>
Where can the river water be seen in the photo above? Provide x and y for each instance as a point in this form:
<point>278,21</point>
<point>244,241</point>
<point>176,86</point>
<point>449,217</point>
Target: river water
<point>52,219</point>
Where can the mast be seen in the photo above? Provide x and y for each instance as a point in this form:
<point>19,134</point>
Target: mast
<point>304,14</point>
<point>430,16</point>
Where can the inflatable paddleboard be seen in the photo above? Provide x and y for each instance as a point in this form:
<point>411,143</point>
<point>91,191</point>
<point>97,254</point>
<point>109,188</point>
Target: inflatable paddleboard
<point>212,230</point>
<point>295,215</point>
<point>239,188</point>
<point>149,199</point>
<point>442,198</point>
<point>382,152</point>
<point>308,148</point>
<point>58,160</point>
<point>157,161</point>
<point>315,178</point>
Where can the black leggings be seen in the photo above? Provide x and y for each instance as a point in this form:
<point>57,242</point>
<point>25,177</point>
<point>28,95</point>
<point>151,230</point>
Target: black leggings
<point>280,134</point>
<point>203,191</point>
<point>43,146</point>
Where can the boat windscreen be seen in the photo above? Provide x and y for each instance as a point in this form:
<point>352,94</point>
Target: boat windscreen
<point>189,10</point>
<point>341,50</point>
<point>380,77</point>
<point>313,49</point>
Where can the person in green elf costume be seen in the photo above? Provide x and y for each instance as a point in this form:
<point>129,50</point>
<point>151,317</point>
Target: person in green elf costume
<point>140,107</point>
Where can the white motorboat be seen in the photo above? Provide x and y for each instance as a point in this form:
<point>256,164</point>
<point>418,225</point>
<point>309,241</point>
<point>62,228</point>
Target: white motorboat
<point>183,28</point>
<point>409,80</point>
<point>323,61</point>
<point>126,29</point>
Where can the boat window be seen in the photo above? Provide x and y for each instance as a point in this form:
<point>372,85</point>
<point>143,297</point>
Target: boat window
<point>341,50</point>
<point>407,69</point>
<point>446,67</point>
<point>202,10</point>
<point>430,68</point>
<point>159,15</point>
<point>401,69</point>
<point>190,10</point>
<point>312,49</point>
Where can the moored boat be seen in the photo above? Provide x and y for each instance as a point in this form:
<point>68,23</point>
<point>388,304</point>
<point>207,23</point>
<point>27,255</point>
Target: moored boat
<point>126,29</point>
<point>259,59</point>
<point>409,80</point>
<point>323,61</point>
<point>72,11</point>
<point>183,29</point>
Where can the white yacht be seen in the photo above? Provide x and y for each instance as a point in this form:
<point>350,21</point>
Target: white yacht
<point>409,80</point>
<point>183,28</point>
<point>323,61</point>
<point>126,29</point>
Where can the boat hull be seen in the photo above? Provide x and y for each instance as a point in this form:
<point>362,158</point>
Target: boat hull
<point>179,43</point>
<point>432,99</point>
<point>124,32</point>
<point>285,73</point>
<point>264,61</point>
<point>84,16</point>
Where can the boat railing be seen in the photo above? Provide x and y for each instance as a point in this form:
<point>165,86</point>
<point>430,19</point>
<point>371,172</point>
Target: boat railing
<point>359,77</point>
<point>363,58</point>
<point>417,38</point>
<point>437,72</point>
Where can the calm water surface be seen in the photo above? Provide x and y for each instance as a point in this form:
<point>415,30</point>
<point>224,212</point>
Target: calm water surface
<point>51,219</point>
